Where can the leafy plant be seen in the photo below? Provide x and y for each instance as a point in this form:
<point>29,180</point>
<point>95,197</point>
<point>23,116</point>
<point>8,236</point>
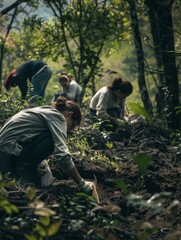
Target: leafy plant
<point>5,204</point>
<point>152,203</point>
<point>138,109</point>
<point>80,146</point>
<point>142,160</point>
<point>122,185</point>
<point>178,109</point>
<point>44,229</point>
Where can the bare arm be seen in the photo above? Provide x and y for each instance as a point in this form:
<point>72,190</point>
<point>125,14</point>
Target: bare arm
<point>74,174</point>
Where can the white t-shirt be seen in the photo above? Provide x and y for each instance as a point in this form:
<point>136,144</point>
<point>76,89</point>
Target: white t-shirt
<point>103,100</point>
<point>73,92</point>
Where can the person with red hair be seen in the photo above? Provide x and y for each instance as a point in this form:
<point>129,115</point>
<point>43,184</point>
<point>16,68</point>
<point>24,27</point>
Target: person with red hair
<point>37,72</point>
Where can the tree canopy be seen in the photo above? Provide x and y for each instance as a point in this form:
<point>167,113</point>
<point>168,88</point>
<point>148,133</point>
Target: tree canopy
<point>82,32</point>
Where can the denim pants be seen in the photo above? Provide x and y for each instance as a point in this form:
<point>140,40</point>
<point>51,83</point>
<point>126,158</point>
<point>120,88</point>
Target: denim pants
<point>39,82</point>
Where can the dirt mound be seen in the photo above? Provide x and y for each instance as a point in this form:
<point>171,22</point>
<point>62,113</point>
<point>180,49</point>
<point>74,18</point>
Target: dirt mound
<point>137,201</point>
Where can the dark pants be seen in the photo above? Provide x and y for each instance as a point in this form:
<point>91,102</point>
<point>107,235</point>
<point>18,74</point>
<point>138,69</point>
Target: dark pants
<point>107,124</point>
<point>32,154</point>
<point>114,112</point>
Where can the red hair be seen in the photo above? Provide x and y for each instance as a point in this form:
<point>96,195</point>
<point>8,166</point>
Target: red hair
<point>9,80</point>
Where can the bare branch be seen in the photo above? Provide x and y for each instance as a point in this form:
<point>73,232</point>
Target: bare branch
<point>12,6</point>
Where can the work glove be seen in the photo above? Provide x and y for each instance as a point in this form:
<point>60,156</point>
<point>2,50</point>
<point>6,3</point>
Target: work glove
<point>47,178</point>
<point>86,186</point>
<point>126,119</point>
<point>45,174</point>
<point>120,122</point>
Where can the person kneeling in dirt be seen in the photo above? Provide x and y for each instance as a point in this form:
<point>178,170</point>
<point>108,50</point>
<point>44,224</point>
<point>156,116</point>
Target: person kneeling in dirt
<point>31,135</point>
<point>109,103</point>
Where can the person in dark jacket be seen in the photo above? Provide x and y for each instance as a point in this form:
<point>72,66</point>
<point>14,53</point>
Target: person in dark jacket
<point>37,72</point>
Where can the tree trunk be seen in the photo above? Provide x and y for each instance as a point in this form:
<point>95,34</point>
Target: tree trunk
<point>2,46</point>
<point>164,15</point>
<point>140,58</point>
<point>160,84</point>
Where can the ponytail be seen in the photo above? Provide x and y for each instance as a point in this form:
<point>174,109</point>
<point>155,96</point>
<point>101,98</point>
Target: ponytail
<point>62,105</point>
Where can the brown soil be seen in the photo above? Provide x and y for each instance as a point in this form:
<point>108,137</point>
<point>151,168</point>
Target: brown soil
<point>138,207</point>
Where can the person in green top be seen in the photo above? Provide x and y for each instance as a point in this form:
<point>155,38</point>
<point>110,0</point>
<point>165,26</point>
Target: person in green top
<point>31,135</point>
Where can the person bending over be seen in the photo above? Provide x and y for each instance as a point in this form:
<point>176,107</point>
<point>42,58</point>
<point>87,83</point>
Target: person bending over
<point>70,89</point>
<point>37,72</point>
<point>109,102</point>
<point>31,135</point>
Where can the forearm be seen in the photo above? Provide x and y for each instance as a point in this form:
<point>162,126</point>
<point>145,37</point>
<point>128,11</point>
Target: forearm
<point>106,116</point>
<point>84,186</point>
<point>74,174</point>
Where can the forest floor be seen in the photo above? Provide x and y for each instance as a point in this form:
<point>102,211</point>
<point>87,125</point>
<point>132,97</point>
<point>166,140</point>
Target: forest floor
<point>139,191</point>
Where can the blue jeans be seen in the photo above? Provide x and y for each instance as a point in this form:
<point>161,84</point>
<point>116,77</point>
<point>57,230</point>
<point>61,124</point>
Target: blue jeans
<point>39,83</point>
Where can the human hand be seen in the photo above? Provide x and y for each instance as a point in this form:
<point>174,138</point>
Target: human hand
<point>126,119</point>
<point>120,122</point>
<point>86,186</point>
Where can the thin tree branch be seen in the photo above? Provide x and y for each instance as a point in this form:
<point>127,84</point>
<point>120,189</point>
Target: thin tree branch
<point>12,6</point>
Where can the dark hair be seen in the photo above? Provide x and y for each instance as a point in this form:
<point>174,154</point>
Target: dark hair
<point>64,77</point>
<point>62,105</point>
<point>65,74</point>
<point>124,86</point>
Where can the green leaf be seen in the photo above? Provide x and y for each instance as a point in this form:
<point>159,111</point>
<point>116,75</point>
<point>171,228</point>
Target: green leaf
<point>142,160</point>
<point>45,221</point>
<point>53,229</point>
<point>8,207</point>
<point>109,145</point>
<point>41,231</point>
<point>14,208</point>
<point>31,193</point>
<point>30,237</point>
<point>138,109</point>
<point>143,235</point>
<point>121,184</point>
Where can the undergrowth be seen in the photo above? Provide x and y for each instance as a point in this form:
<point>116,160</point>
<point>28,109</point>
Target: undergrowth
<point>37,215</point>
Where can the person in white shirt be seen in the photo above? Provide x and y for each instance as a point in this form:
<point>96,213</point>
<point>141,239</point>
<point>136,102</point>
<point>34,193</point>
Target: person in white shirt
<point>109,102</point>
<point>70,89</point>
<point>32,135</point>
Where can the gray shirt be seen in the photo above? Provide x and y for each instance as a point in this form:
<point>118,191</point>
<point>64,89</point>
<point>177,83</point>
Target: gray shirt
<point>28,123</point>
<point>103,100</point>
<point>74,91</point>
